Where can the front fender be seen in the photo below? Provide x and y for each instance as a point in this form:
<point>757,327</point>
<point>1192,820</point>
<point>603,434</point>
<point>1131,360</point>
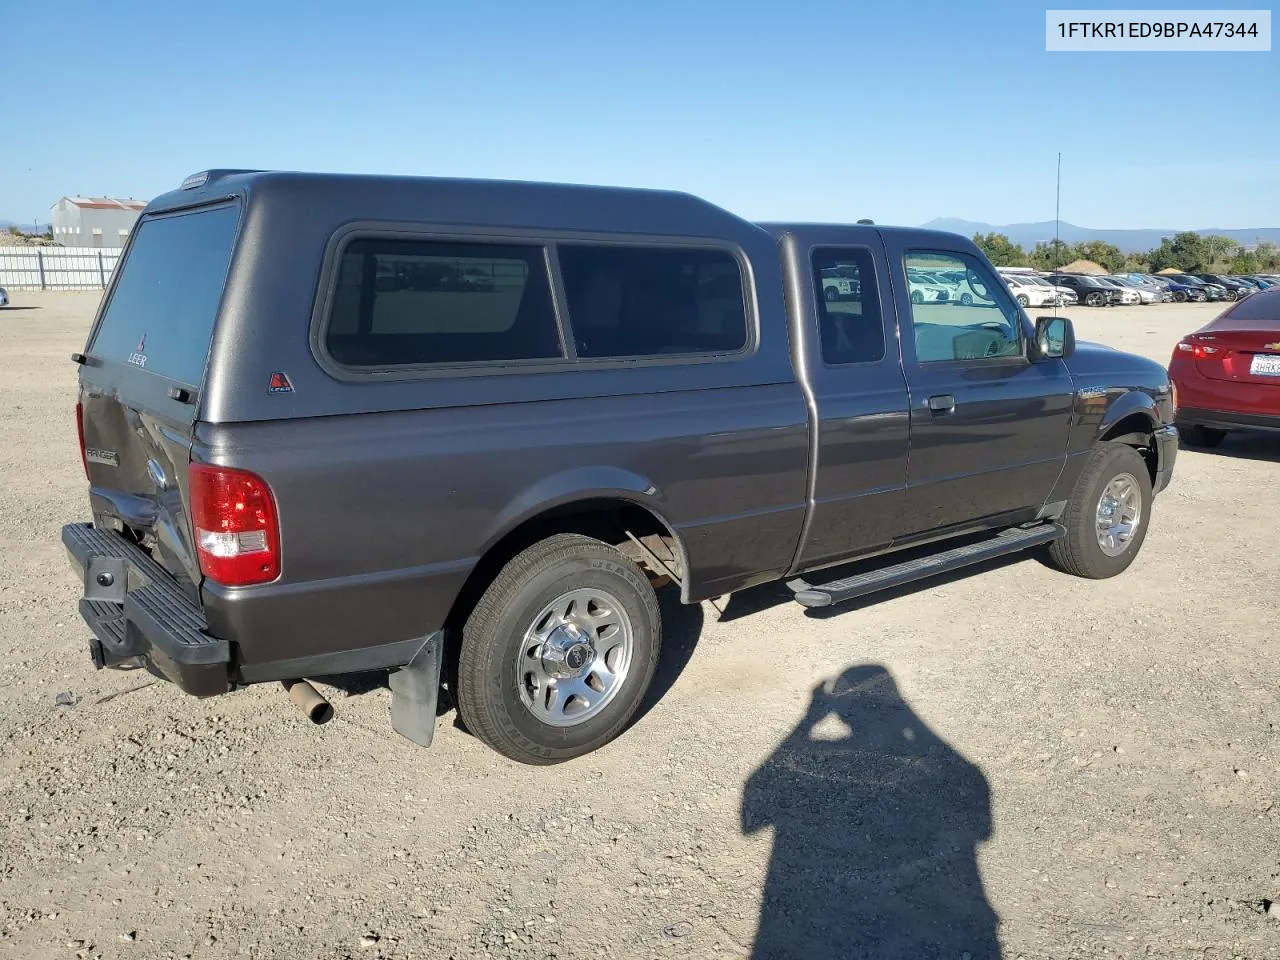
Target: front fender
<point>1127,403</point>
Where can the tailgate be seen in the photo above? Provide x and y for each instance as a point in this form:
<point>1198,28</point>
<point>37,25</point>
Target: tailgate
<point>141,379</point>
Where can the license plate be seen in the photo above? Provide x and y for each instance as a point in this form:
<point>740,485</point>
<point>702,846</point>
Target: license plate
<point>1265,365</point>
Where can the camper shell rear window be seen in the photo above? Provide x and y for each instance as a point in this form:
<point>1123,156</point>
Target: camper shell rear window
<point>163,306</point>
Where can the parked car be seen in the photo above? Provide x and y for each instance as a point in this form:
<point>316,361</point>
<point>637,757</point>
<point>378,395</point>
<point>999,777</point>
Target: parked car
<point>1262,283</point>
<point>1089,290</point>
<point>1159,293</point>
<point>1182,292</point>
<point>4,297</point>
<point>1029,293</point>
<point>481,488</point>
<point>1128,295</point>
<point>1212,291</point>
<point>1066,296</point>
<point>927,288</point>
<point>1227,373</point>
<point>1236,289</point>
<point>837,284</point>
<point>1147,293</point>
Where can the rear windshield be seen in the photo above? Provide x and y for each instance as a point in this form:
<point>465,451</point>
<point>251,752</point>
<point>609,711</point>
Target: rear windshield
<point>161,313</point>
<point>1262,310</point>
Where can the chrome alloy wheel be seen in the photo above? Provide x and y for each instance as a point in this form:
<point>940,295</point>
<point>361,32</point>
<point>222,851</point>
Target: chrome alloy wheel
<point>574,657</point>
<point>1118,515</point>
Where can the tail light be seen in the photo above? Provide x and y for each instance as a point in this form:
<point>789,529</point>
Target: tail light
<point>84,460</point>
<point>1199,350</point>
<point>236,528</point>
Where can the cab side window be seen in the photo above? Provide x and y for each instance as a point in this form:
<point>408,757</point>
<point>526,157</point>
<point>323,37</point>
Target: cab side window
<point>959,311</point>
<point>850,327</point>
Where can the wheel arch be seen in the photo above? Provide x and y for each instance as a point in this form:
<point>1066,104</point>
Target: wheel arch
<point>613,503</point>
<point>1133,420</point>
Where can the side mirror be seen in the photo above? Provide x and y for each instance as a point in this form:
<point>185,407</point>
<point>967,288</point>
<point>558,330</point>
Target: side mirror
<point>1055,338</point>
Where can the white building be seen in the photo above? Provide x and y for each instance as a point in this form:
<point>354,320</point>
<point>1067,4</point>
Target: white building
<point>94,221</point>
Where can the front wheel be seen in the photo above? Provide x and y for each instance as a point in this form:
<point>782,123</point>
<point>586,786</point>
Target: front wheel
<point>1179,296</point>
<point>559,651</point>
<point>1023,300</point>
<point>1095,299</point>
<point>1107,516</point>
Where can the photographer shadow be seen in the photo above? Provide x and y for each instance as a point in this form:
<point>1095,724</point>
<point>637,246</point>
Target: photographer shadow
<point>876,826</point>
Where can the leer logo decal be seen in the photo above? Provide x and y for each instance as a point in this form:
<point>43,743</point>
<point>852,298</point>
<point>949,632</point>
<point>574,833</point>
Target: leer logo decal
<point>138,358</point>
<point>279,384</point>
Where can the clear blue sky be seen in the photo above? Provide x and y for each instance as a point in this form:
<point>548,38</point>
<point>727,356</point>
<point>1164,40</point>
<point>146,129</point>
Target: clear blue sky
<point>807,110</point>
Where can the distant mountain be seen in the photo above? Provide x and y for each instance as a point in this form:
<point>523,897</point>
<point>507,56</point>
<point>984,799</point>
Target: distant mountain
<point>1130,241</point>
<point>24,227</point>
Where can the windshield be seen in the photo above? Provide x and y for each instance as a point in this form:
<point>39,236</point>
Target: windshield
<point>162,310</point>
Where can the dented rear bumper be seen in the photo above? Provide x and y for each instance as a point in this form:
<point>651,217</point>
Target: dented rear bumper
<point>140,616</point>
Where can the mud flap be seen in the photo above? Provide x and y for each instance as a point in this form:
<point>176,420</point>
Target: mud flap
<point>415,690</point>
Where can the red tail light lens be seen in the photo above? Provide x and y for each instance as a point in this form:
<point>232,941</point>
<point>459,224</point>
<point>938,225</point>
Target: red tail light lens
<point>1199,350</point>
<point>237,532</point>
<point>84,460</point>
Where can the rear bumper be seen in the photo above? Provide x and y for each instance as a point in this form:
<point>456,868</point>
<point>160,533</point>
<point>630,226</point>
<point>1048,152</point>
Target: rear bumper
<point>140,617</point>
<point>1227,419</point>
<point>1166,455</point>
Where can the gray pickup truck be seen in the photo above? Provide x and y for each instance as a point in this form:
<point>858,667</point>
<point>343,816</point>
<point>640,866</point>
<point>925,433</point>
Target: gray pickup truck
<point>462,430</point>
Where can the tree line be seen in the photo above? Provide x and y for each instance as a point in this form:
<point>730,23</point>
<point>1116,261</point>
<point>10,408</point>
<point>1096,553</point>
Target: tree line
<point>1188,251</point>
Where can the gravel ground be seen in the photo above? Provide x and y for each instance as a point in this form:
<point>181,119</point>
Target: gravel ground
<point>1009,763</point>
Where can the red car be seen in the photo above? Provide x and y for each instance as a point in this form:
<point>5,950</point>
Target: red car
<point>1227,373</point>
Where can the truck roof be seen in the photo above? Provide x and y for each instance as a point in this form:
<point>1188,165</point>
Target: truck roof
<point>500,203</point>
<point>857,231</point>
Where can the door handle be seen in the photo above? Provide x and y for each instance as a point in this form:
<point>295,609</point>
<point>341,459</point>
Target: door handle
<point>942,404</point>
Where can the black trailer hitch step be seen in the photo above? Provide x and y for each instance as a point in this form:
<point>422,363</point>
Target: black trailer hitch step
<point>884,578</point>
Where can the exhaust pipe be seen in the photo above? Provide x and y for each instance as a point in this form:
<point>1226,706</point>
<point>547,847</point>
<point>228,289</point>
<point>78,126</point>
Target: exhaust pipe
<point>308,700</point>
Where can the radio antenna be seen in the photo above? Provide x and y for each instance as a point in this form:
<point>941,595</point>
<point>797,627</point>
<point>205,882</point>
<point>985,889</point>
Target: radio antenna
<point>1057,212</point>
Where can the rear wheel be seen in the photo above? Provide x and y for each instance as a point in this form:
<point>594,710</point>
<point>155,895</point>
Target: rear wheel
<point>559,651</point>
<point>830,293</point>
<point>1107,516</point>
<point>1023,300</point>
<point>1179,296</point>
<point>917,296</point>
<point>1197,436</point>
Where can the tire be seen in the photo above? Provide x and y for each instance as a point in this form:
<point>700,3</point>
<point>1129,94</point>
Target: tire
<point>966,299</point>
<point>1094,299</point>
<point>1078,551</point>
<point>830,294</point>
<point>1023,300</point>
<point>494,671</point>
<point>1197,436</point>
<point>917,296</point>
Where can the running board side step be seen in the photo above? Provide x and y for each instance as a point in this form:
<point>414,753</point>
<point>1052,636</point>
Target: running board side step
<point>1008,541</point>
